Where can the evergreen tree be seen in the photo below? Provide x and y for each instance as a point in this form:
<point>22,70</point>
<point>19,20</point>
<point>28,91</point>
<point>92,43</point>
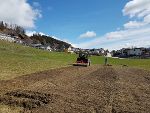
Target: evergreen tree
<point>2,27</point>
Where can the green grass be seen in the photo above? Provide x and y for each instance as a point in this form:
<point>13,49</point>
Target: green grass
<point>17,60</point>
<point>137,63</point>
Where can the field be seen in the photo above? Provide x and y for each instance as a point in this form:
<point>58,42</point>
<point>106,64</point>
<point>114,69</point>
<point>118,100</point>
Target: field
<point>36,81</point>
<point>17,60</point>
<point>95,89</point>
<point>137,63</point>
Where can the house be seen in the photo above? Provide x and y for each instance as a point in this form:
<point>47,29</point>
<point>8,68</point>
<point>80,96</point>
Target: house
<point>94,52</point>
<point>129,52</point>
<point>17,40</point>
<point>70,49</point>
<point>38,46</point>
<point>116,53</point>
<point>135,51</point>
<point>6,37</point>
<point>77,50</point>
<point>43,47</point>
<point>124,52</point>
<point>48,48</point>
<point>101,51</point>
<point>146,53</point>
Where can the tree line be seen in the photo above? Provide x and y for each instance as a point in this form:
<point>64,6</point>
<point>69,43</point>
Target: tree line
<point>47,40</point>
<point>15,30</point>
<point>11,28</point>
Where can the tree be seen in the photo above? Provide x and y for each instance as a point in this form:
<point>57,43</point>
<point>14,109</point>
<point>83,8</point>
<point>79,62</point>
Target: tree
<point>2,27</point>
<point>19,30</point>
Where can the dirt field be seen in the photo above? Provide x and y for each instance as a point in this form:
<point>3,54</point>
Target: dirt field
<point>95,89</point>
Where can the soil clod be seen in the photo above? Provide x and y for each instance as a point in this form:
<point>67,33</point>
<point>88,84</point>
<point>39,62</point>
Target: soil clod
<point>25,99</point>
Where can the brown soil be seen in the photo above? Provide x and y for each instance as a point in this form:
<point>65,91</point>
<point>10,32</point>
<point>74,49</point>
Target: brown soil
<point>94,89</point>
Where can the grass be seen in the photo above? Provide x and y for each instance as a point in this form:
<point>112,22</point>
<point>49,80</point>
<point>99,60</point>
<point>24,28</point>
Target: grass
<point>137,63</point>
<point>17,60</point>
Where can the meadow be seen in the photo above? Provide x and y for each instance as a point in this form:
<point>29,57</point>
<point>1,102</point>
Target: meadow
<point>17,60</point>
<point>136,63</point>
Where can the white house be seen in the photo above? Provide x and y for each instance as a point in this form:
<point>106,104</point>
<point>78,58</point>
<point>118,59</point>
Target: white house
<point>17,40</point>
<point>70,50</point>
<point>48,48</point>
<point>6,37</point>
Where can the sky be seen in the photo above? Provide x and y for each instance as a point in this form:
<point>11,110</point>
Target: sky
<point>109,24</point>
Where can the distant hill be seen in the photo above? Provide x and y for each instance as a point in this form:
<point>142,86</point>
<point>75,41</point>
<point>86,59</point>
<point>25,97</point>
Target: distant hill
<point>14,30</point>
<point>47,40</point>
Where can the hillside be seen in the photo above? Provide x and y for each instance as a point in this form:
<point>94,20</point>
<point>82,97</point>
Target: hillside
<point>15,30</point>
<point>47,40</point>
<point>17,60</point>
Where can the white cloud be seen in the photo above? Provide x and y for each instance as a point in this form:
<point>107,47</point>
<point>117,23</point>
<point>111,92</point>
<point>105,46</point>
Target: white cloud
<point>140,10</point>
<point>64,40</point>
<point>18,12</point>
<point>137,8</point>
<point>120,39</point>
<point>88,34</point>
<point>55,37</point>
<point>128,33</point>
<point>30,33</point>
<point>136,32</point>
<point>41,33</point>
<point>134,24</point>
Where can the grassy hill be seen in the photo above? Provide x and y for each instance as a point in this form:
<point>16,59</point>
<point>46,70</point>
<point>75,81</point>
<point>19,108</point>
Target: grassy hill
<point>17,60</point>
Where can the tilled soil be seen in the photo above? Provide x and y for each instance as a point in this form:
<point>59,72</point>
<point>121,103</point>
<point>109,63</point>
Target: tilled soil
<point>94,89</point>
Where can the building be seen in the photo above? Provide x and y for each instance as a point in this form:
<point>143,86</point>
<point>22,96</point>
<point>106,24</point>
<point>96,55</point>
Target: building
<point>129,52</point>
<point>48,48</point>
<point>17,40</point>
<point>70,49</point>
<point>7,37</point>
<point>146,53</point>
<point>43,47</point>
<point>135,51</point>
<point>36,45</point>
<point>99,52</point>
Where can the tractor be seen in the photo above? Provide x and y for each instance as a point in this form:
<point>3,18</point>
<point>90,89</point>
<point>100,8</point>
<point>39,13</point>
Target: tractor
<point>83,59</point>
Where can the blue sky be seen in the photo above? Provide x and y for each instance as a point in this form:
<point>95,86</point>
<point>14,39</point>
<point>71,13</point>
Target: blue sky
<point>111,24</point>
<point>69,18</point>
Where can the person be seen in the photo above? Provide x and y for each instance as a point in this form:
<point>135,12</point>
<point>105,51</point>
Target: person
<point>106,59</point>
